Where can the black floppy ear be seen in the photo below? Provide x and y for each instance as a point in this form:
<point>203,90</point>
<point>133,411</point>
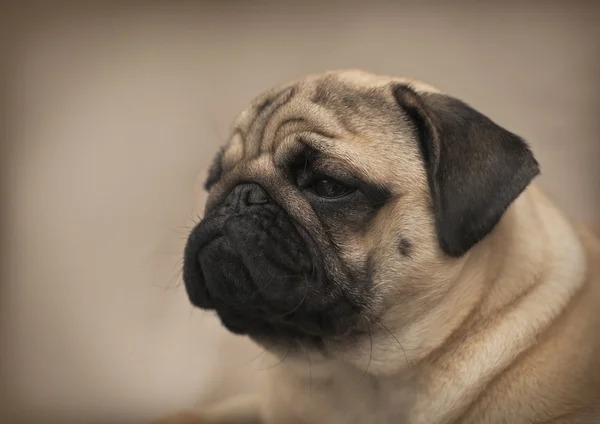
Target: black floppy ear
<point>215,171</point>
<point>476,169</point>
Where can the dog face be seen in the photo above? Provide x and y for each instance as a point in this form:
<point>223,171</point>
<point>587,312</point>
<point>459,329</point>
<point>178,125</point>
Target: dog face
<point>343,208</point>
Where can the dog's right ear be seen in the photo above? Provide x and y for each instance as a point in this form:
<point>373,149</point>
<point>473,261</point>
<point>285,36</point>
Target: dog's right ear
<point>215,171</point>
<point>475,168</point>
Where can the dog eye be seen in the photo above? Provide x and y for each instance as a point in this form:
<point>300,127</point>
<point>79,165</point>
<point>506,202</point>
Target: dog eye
<point>330,189</point>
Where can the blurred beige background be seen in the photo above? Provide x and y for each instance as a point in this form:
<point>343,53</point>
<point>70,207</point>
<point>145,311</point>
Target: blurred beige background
<point>114,115</point>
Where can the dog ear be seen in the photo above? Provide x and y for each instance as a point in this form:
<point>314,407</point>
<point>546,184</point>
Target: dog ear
<point>215,171</point>
<point>475,168</point>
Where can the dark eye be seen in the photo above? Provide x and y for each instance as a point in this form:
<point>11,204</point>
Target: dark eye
<point>330,189</point>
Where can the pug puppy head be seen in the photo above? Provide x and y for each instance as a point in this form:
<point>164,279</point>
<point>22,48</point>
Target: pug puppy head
<point>342,211</point>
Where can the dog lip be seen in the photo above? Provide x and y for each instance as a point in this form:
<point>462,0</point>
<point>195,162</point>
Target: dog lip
<point>212,231</point>
<point>206,232</point>
<point>266,319</point>
<point>213,228</point>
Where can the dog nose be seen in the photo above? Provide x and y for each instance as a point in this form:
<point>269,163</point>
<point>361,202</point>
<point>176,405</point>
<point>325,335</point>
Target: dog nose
<point>245,195</point>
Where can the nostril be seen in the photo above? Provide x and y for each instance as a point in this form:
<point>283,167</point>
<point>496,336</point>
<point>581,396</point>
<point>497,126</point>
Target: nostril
<point>257,196</point>
<point>244,195</point>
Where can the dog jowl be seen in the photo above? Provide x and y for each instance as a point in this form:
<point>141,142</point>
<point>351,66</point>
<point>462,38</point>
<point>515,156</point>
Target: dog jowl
<point>261,272</point>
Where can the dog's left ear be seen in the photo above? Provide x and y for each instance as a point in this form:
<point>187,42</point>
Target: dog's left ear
<point>476,169</point>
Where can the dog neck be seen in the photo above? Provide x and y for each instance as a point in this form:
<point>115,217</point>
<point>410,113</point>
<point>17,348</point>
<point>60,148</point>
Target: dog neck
<point>511,287</point>
<point>530,275</point>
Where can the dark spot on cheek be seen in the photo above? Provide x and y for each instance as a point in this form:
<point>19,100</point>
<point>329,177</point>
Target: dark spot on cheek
<point>405,247</point>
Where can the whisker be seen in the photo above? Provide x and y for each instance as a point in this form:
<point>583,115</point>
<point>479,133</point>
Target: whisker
<point>271,279</point>
<point>370,354</point>
<point>197,216</point>
<point>195,220</point>
<point>176,281</point>
<point>279,362</point>
<point>309,370</point>
<point>395,338</point>
<point>254,359</point>
<point>295,308</point>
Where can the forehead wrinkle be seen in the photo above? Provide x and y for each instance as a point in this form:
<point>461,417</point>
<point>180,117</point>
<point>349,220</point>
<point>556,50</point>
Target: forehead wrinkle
<point>242,123</point>
<point>358,107</point>
<point>306,117</point>
<point>233,151</point>
<point>348,152</point>
<point>245,118</point>
<point>318,119</point>
<point>253,140</point>
<point>289,127</point>
<point>289,131</point>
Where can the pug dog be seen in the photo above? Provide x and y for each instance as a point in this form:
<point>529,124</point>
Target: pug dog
<point>386,243</point>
